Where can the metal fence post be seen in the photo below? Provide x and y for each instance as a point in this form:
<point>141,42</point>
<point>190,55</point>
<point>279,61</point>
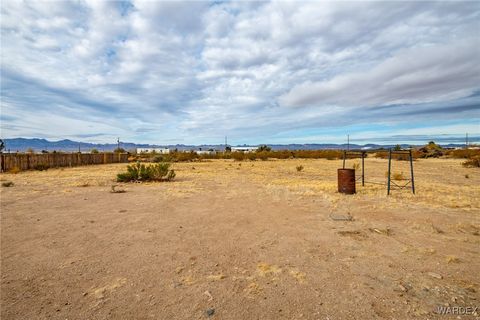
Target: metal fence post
<point>389,168</point>
<point>411,172</point>
<point>363,168</point>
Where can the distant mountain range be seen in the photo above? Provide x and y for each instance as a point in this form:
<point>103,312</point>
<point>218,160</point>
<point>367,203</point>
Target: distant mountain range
<point>23,144</point>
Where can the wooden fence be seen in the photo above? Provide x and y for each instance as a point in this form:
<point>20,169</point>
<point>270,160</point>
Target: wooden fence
<point>25,161</point>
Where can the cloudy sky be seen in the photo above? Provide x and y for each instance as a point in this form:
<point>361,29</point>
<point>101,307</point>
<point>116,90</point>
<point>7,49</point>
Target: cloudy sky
<point>258,72</point>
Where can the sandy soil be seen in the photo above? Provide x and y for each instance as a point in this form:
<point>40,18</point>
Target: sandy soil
<point>250,240</point>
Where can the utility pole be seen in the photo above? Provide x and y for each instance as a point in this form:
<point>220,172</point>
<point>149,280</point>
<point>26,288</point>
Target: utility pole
<point>348,142</point>
<point>118,144</point>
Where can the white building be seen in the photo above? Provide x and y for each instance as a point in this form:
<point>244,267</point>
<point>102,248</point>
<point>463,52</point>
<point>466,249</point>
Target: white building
<point>244,149</point>
<point>152,150</point>
<point>205,152</point>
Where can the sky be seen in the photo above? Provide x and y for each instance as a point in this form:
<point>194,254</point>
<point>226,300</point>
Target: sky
<point>257,72</point>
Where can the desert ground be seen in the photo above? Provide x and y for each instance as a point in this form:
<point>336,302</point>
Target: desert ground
<point>240,240</point>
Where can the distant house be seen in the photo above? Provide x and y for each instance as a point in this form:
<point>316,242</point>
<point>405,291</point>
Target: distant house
<point>244,149</point>
<point>209,151</point>
<point>153,150</point>
<point>205,152</point>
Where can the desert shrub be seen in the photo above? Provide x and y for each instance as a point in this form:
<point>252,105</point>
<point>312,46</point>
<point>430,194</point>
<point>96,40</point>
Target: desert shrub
<point>262,155</point>
<point>162,158</point>
<point>94,151</point>
<point>299,168</point>
<point>119,150</point>
<point>395,156</point>
<point>463,153</point>
<point>238,156</point>
<point>41,167</point>
<point>356,166</point>
<point>7,184</point>
<point>142,172</point>
<point>14,170</point>
<point>264,147</point>
<point>398,176</point>
<point>467,176</point>
<point>184,156</point>
<point>474,162</point>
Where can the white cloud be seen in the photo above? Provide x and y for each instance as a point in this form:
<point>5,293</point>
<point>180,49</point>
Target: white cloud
<point>417,75</point>
<point>198,70</point>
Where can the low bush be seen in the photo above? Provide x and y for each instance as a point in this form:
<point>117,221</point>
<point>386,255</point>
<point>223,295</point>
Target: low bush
<point>262,155</point>
<point>162,158</point>
<point>398,176</point>
<point>238,156</point>
<point>463,153</point>
<point>397,156</point>
<point>7,184</point>
<point>41,167</point>
<point>14,170</point>
<point>183,156</point>
<point>474,162</point>
<point>299,168</point>
<point>142,172</point>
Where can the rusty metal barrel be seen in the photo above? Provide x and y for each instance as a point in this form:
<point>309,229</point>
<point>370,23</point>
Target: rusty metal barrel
<point>346,181</point>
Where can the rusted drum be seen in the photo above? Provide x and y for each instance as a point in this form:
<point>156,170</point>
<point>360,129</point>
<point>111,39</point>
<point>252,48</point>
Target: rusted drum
<point>346,181</point>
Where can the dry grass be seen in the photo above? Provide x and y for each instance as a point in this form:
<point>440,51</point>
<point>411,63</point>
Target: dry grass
<point>434,187</point>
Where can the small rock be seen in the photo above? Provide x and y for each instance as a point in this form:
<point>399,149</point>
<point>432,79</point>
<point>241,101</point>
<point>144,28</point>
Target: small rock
<point>209,295</point>
<point>435,275</point>
<point>210,312</point>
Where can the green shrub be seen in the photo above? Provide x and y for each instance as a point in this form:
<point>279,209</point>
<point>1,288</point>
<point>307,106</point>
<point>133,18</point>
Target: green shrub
<point>94,151</point>
<point>142,172</point>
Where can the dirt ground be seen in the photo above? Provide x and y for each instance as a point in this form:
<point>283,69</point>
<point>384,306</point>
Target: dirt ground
<point>231,240</point>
